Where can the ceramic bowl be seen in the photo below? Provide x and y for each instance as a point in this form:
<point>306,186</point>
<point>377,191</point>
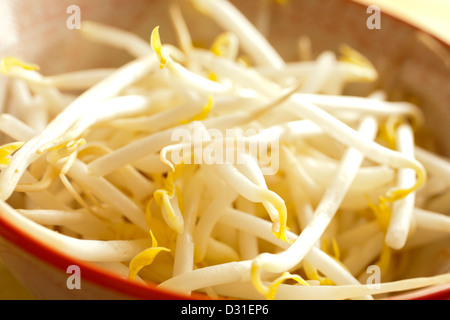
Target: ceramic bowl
<point>411,64</point>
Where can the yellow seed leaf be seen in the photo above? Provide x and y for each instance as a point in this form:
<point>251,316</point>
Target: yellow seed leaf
<point>221,44</point>
<point>157,47</point>
<point>273,287</point>
<point>205,111</point>
<point>385,258</point>
<point>202,115</point>
<point>143,259</point>
<point>351,55</point>
<point>256,278</point>
<point>7,150</point>
<point>312,274</point>
<point>8,62</point>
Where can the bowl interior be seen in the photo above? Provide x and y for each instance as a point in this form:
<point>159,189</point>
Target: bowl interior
<point>413,65</point>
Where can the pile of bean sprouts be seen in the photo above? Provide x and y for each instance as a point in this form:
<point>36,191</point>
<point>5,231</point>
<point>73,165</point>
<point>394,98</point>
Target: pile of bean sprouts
<point>355,210</point>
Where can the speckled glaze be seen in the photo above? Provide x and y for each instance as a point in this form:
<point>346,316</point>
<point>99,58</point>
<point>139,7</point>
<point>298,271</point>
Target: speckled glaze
<point>412,65</point>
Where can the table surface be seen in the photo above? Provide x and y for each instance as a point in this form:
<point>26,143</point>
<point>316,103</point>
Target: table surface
<point>431,15</point>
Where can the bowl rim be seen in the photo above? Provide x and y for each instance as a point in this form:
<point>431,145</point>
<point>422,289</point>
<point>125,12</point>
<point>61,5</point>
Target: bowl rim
<point>107,279</point>
<point>91,272</point>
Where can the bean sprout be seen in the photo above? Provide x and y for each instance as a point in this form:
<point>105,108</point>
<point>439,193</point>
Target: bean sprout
<point>133,173</point>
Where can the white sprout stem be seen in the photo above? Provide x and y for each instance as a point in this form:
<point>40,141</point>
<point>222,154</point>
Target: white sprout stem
<point>155,142</point>
<point>302,177</point>
<point>116,107</point>
<point>326,209</point>
<point>252,41</point>
<point>402,209</point>
<point>210,216</point>
<point>58,217</point>
<point>434,186</point>
<point>440,203</point>
<point>361,256</point>
<point>289,292</point>
<point>261,228</point>
<point>239,272</point>
<point>132,152</point>
<point>330,103</point>
<point>329,124</point>
<point>247,243</point>
<point>358,234</point>
<point>81,222</point>
<point>151,164</point>
<point>30,109</point>
<point>127,176</point>
<point>106,89</point>
<point>288,132</point>
<point>425,219</point>
<point>54,99</point>
<point>162,120</point>
<point>422,219</point>
<point>16,129</point>
<point>301,70</point>
<point>117,38</point>
<point>248,246</point>
<point>134,181</point>
<point>220,252</point>
<point>181,29</point>
<point>302,203</point>
<point>251,191</point>
<point>284,133</point>
<point>108,193</point>
<point>227,68</point>
<point>37,114</point>
<point>339,130</point>
<point>368,178</point>
<point>182,77</point>
<point>435,164</point>
<point>44,199</point>
<point>171,213</point>
<point>348,136</point>
<point>216,215</point>
<point>362,106</point>
<point>77,80</point>
<point>21,96</point>
<point>100,187</point>
<point>231,272</point>
<point>248,166</point>
<point>323,70</point>
<point>53,135</point>
<point>184,253</point>
<point>88,250</point>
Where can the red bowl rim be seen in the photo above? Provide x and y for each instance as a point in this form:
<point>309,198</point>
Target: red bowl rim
<point>91,272</point>
<point>107,279</point>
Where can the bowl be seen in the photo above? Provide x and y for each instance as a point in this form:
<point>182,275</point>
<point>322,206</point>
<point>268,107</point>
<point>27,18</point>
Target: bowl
<point>412,65</point>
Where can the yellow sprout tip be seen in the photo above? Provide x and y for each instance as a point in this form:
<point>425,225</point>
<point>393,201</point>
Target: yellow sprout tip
<point>7,150</point>
<point>157,47</point>
<point>9,62</point>
<point>312,273</point>
<point>143,259</point>
<point>256,279</point>
<point>273,287</point>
